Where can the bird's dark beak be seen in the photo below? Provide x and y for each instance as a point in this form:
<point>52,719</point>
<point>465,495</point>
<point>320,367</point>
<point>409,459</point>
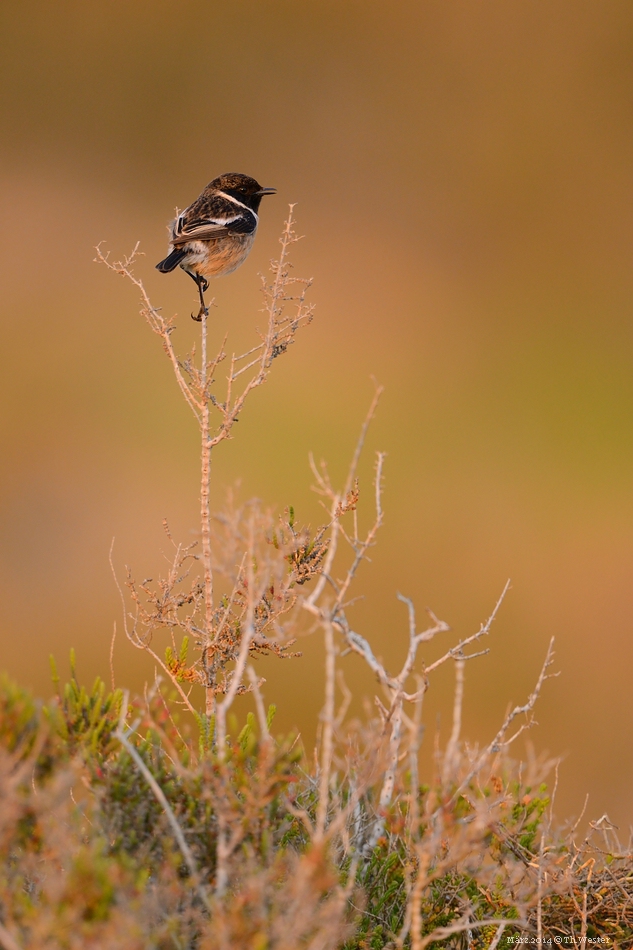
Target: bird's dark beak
<point>266,191</point>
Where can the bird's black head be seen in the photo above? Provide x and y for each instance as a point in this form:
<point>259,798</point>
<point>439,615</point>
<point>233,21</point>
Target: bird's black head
<point>242,188</point>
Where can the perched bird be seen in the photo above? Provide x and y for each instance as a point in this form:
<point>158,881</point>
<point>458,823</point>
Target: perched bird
<point>213,235</point>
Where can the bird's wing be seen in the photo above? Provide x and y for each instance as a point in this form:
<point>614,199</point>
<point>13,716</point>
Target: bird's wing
<point>211,217</point>
<point>204,231</point>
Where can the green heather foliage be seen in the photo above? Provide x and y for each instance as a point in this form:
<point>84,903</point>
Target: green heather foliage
<point>89,859</point>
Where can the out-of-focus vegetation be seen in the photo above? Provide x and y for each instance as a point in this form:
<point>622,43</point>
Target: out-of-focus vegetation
<point>89,859</point>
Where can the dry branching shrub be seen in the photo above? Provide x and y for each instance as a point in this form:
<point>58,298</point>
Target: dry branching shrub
<point>134,824</point>
<point>244,619</point>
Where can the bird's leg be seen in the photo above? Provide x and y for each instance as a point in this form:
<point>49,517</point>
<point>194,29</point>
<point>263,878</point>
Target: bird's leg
<point>202,285</point>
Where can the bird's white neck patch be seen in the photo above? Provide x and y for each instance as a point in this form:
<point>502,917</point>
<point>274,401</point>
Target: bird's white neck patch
<point>236,202</point>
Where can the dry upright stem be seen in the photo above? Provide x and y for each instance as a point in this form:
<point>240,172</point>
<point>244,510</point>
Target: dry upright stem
<point>215,623</point>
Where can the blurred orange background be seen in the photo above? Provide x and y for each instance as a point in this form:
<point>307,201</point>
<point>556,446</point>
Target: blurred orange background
<point>463,178</point>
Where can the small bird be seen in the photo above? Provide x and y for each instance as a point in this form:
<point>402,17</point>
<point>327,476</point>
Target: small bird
<point>213,235</point>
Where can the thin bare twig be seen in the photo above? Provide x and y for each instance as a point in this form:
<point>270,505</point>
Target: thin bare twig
<point>256,682</point>
<point>328,732</point>
<point>483,631</point>
<point>122,734</point>
<point>351,474</point>
<point>7,940</point>
<point>499,742</point>
<point>112,681</point>
<point>452,750</point>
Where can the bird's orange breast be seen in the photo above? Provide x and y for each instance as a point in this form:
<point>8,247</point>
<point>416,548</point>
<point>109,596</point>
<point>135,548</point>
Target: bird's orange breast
<point>225,254</point>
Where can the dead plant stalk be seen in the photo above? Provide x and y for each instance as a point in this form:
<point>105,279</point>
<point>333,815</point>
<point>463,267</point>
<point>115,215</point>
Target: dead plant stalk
<point>215,418</point>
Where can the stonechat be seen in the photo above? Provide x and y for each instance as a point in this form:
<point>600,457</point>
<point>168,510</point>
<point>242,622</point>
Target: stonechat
<point>213,235</point>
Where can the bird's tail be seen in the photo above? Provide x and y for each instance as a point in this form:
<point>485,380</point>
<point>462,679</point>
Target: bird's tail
<point>171,261</point>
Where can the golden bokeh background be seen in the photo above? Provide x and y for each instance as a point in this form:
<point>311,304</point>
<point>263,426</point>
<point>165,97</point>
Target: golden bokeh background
<point>463,178</point>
